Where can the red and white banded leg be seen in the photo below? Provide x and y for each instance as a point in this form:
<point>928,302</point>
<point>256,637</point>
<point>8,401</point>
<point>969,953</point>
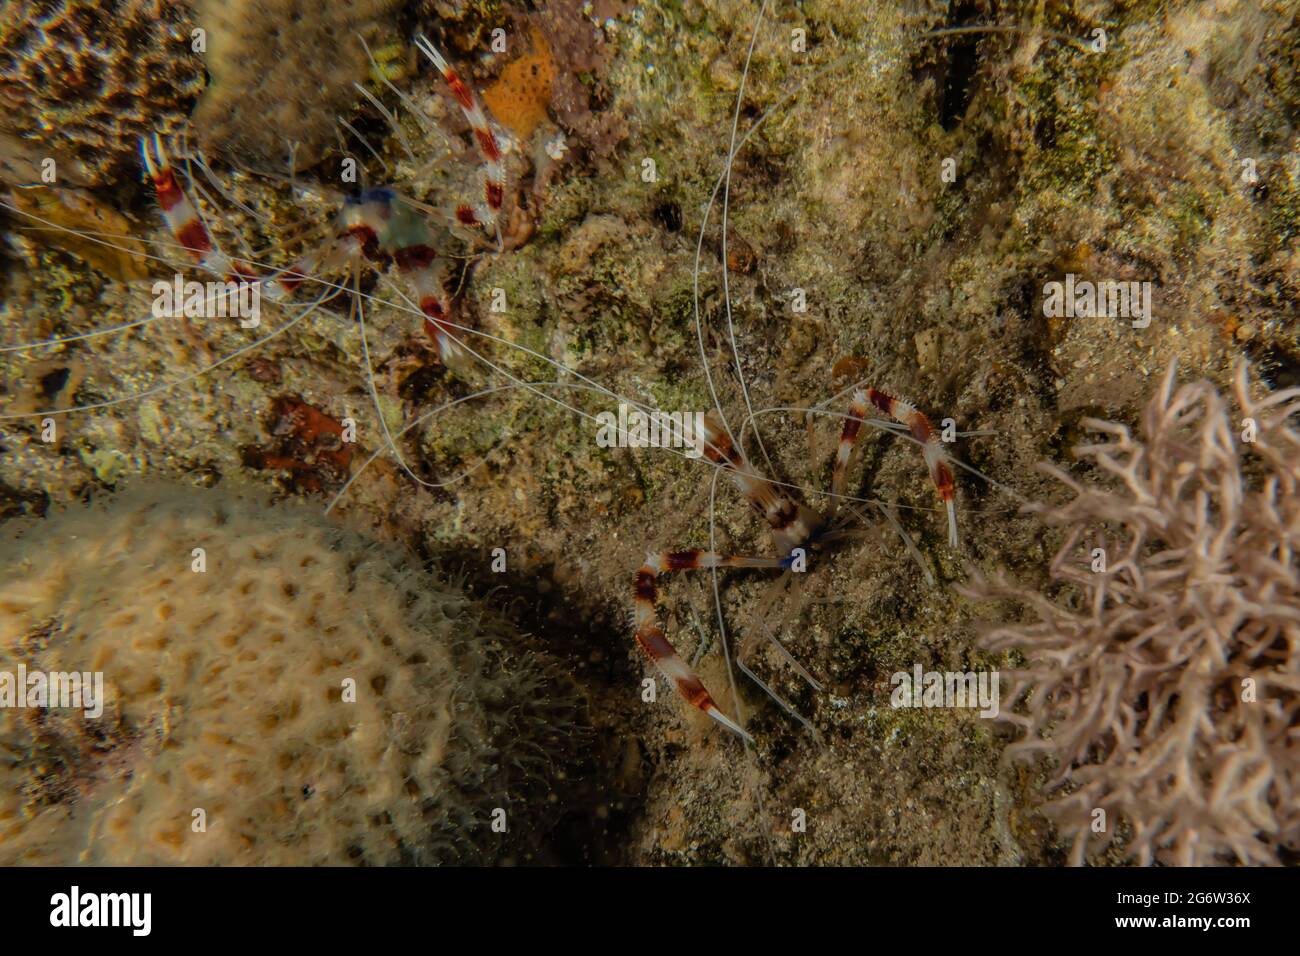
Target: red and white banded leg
<point>427,274</point>
<point>651,638</point>
<point>791,523</point>
<point>185,224</point>
<point>486,213</point>
<point>921,429</point>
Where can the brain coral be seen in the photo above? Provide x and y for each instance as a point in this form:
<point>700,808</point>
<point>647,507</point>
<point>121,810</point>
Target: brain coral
<point>1164,669</point>
<point>84,79</point>
<point>225,692</point>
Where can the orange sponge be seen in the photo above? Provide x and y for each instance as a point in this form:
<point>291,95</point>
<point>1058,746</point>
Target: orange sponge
<point>519,97</point>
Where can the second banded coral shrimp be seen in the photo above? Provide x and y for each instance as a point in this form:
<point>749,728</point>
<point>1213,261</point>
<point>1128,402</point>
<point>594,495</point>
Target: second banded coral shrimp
<point>376,226</point>
<point>800,534</point>
<point>804,522</point>
<point>395,257</point>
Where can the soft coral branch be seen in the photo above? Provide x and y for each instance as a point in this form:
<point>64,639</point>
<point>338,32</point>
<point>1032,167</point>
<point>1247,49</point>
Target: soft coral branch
<point>1143,690</point>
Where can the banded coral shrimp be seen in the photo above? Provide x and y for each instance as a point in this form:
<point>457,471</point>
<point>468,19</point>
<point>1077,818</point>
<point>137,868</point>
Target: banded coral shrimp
<point>796,531</point>
<point>827,648</point>
<point>796,528</point>
<point>377,236</point>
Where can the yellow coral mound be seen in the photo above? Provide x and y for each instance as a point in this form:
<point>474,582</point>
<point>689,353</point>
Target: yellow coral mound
<point>231,733</point>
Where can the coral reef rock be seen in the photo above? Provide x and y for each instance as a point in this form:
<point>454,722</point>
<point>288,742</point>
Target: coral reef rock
<point>85,80</point>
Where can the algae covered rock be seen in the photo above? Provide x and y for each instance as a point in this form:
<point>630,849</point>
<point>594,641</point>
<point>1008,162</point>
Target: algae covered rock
<point>275,690</point>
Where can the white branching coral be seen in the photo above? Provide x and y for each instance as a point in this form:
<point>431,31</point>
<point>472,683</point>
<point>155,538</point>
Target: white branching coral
<point>1165,677</point>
